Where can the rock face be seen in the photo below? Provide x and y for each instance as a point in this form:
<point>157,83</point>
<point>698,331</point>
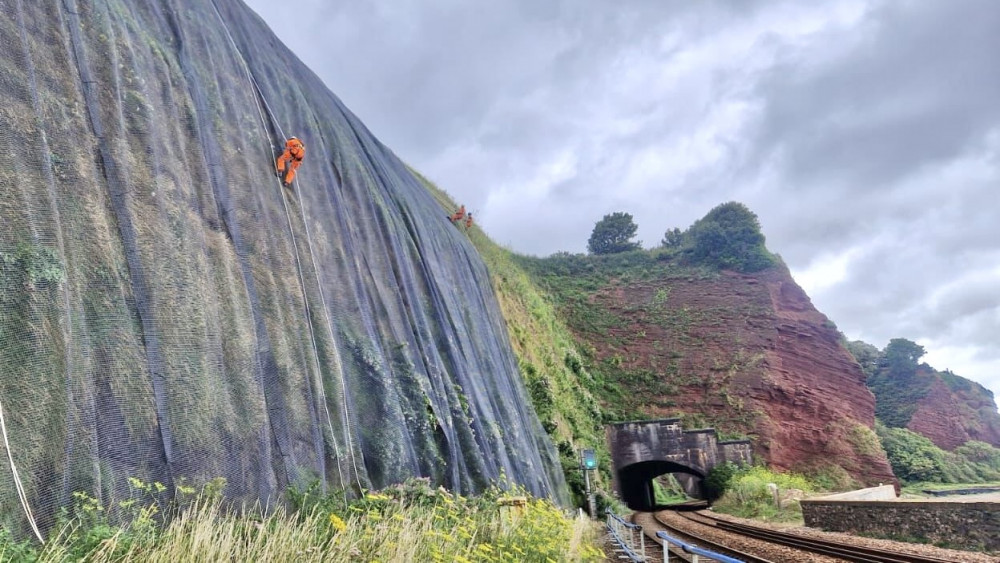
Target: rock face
<point>954,411</point>
<point>168,311</point>
<point>746,353</point>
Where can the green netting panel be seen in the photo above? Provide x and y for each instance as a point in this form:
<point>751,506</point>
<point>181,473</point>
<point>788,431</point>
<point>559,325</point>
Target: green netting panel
<point>169,312</point>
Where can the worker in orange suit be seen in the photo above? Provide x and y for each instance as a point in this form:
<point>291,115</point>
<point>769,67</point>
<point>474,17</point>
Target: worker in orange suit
<point>468,221</point>
<point>458,215</point>
<point>295,151</point>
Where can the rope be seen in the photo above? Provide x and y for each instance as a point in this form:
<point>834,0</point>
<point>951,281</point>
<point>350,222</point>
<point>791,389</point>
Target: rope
<point>17,479</point>
<point>298,263</point>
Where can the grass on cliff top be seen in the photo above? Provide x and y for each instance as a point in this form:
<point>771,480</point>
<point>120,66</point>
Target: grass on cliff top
<point>560,387</point>
<point>409,522</point>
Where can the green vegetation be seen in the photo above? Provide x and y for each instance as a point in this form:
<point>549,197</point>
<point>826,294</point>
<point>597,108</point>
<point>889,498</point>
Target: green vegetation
<point>915,458</point>
<point>667,490</point>
<point>728,237</point>
<point>898,381</point>
<point>409,522</point>
<point>613,234</point>
<point>633,333</point>
<point>749,492</point>
<point>551,365</point>
<point>866,355</point>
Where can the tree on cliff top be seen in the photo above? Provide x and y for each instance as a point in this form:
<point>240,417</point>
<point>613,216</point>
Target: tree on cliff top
<point>729,237</point>
<point>897,384</point>
<point>867,356</point>
<point>613,234</point>
<point>902,355</point>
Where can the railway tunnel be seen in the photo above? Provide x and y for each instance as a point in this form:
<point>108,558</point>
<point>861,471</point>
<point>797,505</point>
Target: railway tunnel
<point>641,451</point>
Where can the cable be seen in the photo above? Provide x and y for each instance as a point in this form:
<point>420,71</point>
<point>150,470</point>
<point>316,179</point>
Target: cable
<point>253,82</point>
<point>17,479</point>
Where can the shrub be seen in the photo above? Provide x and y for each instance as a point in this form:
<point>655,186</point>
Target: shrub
<point>914,458</point>
<point>749,494</point>
<point>729,237</point>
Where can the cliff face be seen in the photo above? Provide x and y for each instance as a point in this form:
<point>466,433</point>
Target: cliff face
<point>955,411</point>
<point>169,311</point>
<point>748,354</point>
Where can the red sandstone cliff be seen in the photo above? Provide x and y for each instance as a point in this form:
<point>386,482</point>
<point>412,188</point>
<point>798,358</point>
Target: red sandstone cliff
<point>952,414</point>
<point>749,353</point>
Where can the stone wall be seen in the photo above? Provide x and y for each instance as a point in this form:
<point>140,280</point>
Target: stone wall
<point>963,525</point>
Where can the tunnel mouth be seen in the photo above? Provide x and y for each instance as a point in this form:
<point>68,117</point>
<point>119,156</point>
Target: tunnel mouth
<point>636,484</point>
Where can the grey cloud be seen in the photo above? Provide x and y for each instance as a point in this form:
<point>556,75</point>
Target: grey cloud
<point>881,135</point>
<point>918,90</point>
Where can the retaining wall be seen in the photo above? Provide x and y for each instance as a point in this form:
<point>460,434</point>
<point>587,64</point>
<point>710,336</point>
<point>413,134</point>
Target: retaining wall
<point>963,525</point>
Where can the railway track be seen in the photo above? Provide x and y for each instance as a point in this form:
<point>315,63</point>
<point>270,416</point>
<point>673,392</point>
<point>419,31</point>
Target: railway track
<point>651,524</point>
<point>839,550</point>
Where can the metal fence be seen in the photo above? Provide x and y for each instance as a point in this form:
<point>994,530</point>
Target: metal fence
<point>629,537</point>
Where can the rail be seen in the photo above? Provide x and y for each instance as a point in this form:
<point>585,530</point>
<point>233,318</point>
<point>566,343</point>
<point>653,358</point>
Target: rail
<point>845,551</point>
<point>692,549</point>
<point>618,528</point>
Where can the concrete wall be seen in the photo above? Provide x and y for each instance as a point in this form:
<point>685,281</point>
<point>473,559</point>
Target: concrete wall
<point>737,451</point>
<point>963,525</point>
<point>884,492</point>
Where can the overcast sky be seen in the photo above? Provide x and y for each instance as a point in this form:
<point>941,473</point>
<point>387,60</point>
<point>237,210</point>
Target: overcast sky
<point>864,134</point>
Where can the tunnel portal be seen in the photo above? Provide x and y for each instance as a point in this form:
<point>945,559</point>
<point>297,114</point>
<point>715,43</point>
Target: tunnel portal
<point>644,450</point>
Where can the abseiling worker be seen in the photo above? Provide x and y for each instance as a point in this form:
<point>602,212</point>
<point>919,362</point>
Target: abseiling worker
<point>457,216</point>
<point>295,151</point>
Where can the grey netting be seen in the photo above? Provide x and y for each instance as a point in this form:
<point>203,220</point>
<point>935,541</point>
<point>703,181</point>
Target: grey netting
<point>169,312</point>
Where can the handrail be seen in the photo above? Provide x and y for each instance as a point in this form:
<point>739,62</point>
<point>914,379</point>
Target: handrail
<point>693,549</point>
<point>616,525</point>
<point>623,522</point>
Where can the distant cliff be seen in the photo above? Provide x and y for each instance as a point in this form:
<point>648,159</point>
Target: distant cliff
<point>948,409</point>
<point>169,312</point>
<point>745,353</point>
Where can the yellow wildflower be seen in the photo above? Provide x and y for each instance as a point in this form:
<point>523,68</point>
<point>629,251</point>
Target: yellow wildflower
<point>337,522</point>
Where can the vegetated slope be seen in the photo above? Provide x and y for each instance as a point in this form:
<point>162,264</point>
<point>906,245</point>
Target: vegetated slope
<point>745,353</point>
<point>550,363</point>
<point>169,312</point>
<point>948,409</point>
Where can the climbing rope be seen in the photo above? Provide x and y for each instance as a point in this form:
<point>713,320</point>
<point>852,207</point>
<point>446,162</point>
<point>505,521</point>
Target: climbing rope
<point>17,479</point>
<point>298,263</point>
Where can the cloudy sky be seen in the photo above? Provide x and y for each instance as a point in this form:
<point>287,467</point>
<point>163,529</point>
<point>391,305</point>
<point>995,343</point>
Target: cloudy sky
<point>865,134</point>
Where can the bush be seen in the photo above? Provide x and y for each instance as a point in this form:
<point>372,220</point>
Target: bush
<point>719,478</point>
<point>912,456</point>
<point>729,237</point>
<point>915,459</point>
<point>749,494</point>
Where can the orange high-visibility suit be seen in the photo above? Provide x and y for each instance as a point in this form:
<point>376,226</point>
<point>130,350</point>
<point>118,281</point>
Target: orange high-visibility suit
<point>457,216</point>
<point>295,151</point>
<point>468,221</point>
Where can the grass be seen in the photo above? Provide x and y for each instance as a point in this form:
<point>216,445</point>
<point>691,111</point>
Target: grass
<point>561,388</point>
<point>409,522</point>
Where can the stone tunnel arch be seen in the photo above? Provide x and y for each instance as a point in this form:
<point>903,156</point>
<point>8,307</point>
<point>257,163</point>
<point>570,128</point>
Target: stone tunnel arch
<point>644,450</point>
<point>635,482</point>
